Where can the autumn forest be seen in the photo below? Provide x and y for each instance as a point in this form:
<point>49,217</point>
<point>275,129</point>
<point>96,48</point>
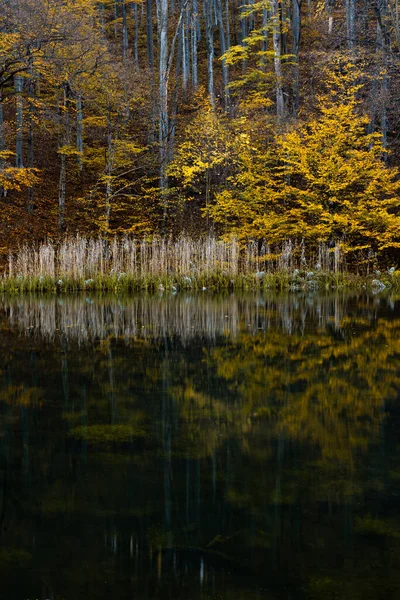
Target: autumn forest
<point>266,120</point>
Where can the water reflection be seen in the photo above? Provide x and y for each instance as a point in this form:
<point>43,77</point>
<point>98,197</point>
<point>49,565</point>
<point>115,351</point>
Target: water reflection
<point>83,318</point>
<point>200,447</point>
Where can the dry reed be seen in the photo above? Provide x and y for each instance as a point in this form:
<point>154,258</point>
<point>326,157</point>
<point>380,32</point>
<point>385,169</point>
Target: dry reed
<point>79,263</point>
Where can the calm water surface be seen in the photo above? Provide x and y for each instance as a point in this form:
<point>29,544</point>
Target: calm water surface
<point>195,447</point>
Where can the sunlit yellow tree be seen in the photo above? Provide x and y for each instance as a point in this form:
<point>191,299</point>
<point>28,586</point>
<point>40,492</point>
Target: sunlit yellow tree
<point>324,181</point>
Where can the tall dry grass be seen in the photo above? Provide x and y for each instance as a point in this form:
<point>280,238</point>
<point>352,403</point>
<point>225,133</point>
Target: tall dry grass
<point>129,263</point>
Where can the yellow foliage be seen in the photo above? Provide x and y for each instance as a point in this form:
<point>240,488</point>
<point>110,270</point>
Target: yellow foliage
<point>325,181</point>
<point>207,149</point>
<point>13,178</point>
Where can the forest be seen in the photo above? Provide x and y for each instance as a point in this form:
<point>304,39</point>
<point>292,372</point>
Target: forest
<point>256,120</point>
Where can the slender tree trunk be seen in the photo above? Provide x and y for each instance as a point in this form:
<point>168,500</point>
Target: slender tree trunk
<point>251,22</point>
<point>19,121</point>
<point>243,23</point>
<point>236,36</point>
<point>101,14</point>
<point>285,17</point>
<point>195,18</point>
<point>210,50</point>
<point>384,112</point>
<point>296,33</point>
<point>329,4</point>
<point>79,131</point>
<point>198,24</point>
<point>115,19</point>
<point>228,25</point>
<point>149,34</point>
<point>31,157</point>
<point>350,24</point>
<point>277,40</point>
<point>3,192</point>
<point>162,20</point>
<point>396,22</point>
<point>125,41</point>
<point>185,51</point>
<point>109,168</point>
<point>383,48</point>
<point>125,48</point>
<point>65,139</point>
<point>62,186</point>
<point>187,38</point>
<point>165,62</point>
<point>172,112</point>
<point>265,34</point>
<point>243,32</point>
<point>223,46</point>
<point>136,38</point>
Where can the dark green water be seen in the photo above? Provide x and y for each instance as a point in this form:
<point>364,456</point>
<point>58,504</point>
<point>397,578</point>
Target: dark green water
<point>198,447</point>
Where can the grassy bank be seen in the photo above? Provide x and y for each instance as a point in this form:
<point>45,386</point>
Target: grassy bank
<point>127,264</point>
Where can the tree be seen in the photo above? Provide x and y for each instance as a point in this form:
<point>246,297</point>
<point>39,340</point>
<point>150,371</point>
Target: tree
<point>324,181</point>
<point>206,155</point>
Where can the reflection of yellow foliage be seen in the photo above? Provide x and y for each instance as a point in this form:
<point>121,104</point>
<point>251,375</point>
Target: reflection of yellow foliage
<point>373,526</point>
<point>315,388</point>
<point>207,422</point>
<point>19,395</point>
<point>104,434</point>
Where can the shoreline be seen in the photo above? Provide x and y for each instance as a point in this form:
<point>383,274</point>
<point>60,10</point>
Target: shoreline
<point>283,281</point>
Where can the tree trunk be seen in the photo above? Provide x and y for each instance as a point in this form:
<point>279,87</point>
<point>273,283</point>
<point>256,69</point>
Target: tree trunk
<point>31,95</point>
<point>350,23</point>
<point>19,121</point>
<point>136,38</point>
<point>3,192</point>
<point>228,25</point>
<point>185,50</point>
<point>223,46</point>
<point>195,18</point>
<point>109,168</point>
<point>79,137</point>
<point>210,50</point>
<point>396,22</point>
<point>64,139</point>
<point>172,112</point>
<point>62,185</point>
<point>125,41</point>
<point>198,24</point>
<point>101,14</point>
<point>162,21</point>
<point>243,32</point>
<point>149,34</point>
<point>284,17</point>
<point>296,33</point>
<point>277,41</point>
<point>115,19</point>
<point>265,35</point>
<point>243,24</point>
<point>383,48</point>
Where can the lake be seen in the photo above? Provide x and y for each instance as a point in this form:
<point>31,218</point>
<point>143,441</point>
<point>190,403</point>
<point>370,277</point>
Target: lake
<point>196,446</point>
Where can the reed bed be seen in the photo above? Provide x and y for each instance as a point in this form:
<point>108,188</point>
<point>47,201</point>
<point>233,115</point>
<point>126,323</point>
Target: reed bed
<point>130,264</point>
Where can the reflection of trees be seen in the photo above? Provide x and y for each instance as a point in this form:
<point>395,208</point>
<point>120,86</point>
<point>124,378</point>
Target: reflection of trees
<point>319,388</point>
<point>84,319</point>
<point>260,449</point>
